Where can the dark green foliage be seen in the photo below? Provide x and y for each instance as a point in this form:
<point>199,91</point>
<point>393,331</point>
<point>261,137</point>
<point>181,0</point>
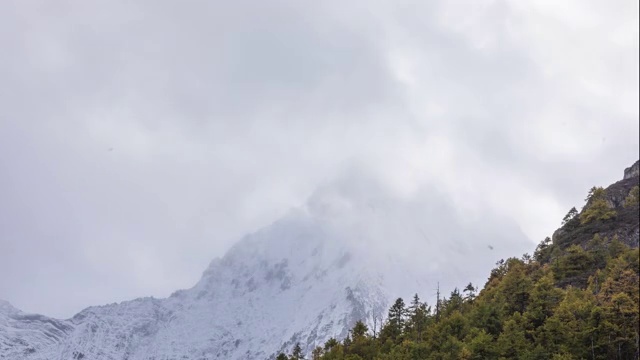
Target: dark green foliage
<point>570,216</point>
<point>543,251</point>
<point>317,353</point>
<point>470,292</point>
<point>577,297</point>
<point>574,299</point>
<point>330,344</point>
<point>419,314</point>
<point>394,326</point>
<point>297,353</point>
<point>573,267</point>
<point>522,313</point>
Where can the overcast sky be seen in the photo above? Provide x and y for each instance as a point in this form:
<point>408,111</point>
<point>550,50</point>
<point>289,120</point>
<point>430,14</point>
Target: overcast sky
<point>140,139</point>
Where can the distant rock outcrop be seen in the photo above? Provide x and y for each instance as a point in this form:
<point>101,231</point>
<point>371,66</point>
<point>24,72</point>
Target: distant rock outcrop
<point>625,225</point>
<point>632,171</point>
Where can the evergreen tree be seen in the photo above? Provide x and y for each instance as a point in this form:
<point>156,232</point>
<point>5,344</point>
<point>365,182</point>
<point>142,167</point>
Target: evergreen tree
<point>598,251</point>
<point>395,321</point>
<point>317,353</point>
<point>591,193</point>
<point>481,345</point>
<point>359,330</point>
<point>470,292</point>
<point>330,344</point>
<point>597,207</point>
<point>512,343</point>
<point>544,298</point>
<point>415,304</point>
<point>616,247</point>
<point>487,316</point>
<point>567,302</point>
<point>418,318</point>
<point>515,287</point>
<point>543,251</point>
<point>570,216</point>
<point>454,303</point>
<point>633,198</point>
<point>574,265</point>
<point>347,341</point>
<point>297,353</point>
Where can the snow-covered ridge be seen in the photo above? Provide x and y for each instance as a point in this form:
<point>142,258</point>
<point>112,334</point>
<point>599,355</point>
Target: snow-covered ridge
<point>342,257</point>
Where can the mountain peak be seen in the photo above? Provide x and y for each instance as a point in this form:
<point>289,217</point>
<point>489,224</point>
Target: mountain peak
<point>6,307</point>
<point>343,256</point>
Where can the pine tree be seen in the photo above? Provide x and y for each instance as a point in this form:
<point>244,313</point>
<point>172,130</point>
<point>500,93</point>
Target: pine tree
<point>570,216</point>
<point>330,344</point>
<point>543,250</point>
<point>591,193</point>
<point>544,298</point>
<point>597,207</point>
<point>597,249</point>
<point>438,305</point>
<point>415,304</point>
<point>481,345</point>
<point>418,317</point>
<point>297,353</point>
<point>487,316</point>
<point>359,330</point>
<point>633,198</point>
<point>282,356</point>
<point>347,341</point>
<point>541,308</point>
<point>512,343</point>
<point>395,322</point>
<point>574,265</point>
<point>616,247</point>
<point>454,303</point>
<point>470,292</point>
<point>317,353</point>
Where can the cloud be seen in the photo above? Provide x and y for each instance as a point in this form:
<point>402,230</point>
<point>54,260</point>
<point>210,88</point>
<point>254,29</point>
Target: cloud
<point>139,139</point>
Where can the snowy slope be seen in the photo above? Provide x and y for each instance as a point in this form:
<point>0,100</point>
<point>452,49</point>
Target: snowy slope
<point>342,257</point>
<point>25,335</point>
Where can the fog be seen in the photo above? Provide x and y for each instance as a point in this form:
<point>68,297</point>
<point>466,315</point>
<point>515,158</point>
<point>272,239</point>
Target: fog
<point>139,140</point>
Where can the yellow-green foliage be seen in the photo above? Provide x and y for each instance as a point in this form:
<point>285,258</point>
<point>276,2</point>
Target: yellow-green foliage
<point>567,302</point>
<point>633,198</point>
<point>520,314</point>
<point>597,207</point>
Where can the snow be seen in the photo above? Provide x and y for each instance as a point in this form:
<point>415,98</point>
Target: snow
<point>307,277</point>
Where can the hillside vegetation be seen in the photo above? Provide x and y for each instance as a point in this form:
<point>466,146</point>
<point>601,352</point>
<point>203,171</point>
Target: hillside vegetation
<point>576,297</point>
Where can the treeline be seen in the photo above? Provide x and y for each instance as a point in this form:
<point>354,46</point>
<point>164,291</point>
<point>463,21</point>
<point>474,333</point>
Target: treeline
<point>520,314</point>
<point>564,302</point>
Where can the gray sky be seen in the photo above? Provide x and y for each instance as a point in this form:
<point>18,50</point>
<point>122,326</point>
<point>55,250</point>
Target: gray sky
<point>139,139</point>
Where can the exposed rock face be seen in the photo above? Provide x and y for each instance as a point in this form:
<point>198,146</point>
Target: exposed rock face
<point>625,225</point>
<point>632,171</point>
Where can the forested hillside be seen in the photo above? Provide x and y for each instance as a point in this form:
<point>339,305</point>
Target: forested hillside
<point>576,297</point>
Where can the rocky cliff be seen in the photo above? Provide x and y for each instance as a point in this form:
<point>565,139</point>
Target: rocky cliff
<point>624,225</point>
<point>632,171</point>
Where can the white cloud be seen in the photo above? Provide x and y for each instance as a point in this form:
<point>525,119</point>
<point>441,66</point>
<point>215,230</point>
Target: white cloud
<point>137,141</point>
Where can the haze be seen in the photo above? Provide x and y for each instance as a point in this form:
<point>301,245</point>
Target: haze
<point>139,140</point>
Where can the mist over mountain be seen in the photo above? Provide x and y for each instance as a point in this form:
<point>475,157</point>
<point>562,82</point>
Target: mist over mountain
<point>576,297</point>
<point>343,256</point>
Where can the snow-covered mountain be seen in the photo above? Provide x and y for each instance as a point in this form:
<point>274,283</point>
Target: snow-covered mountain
<point>343,256</point>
